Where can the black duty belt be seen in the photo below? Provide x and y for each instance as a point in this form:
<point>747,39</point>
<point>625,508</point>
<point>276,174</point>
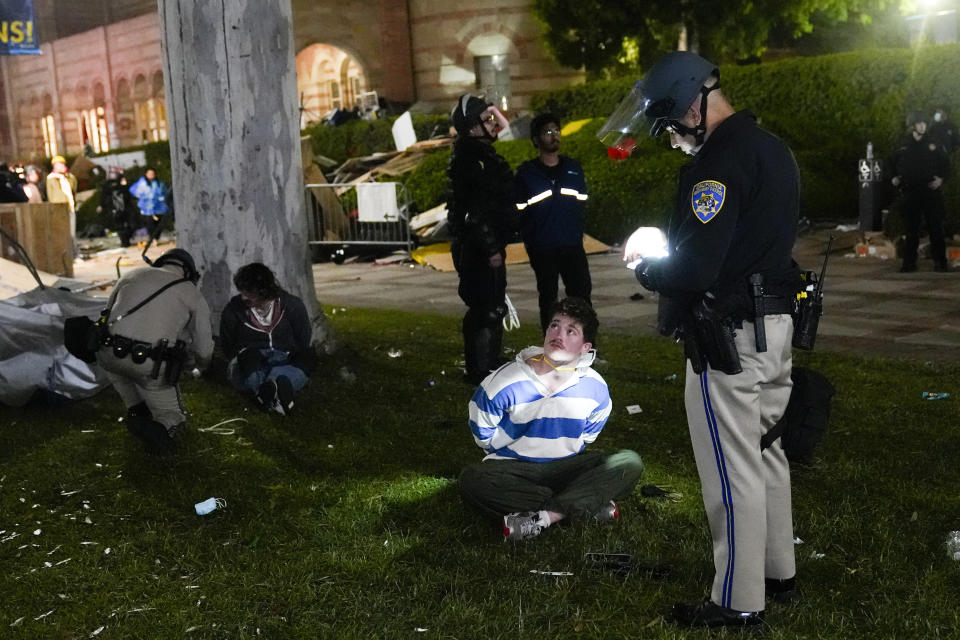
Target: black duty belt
<point>138,350</point>
<point>775,305</point>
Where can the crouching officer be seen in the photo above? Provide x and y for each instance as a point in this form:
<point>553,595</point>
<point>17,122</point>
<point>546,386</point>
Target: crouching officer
<point>481,215</point>
<point>155,324</point>
<point>727,285</point>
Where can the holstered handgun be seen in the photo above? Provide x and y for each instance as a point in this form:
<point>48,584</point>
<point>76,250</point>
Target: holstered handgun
<point>714,339</point>
<point>175,358</point>
<point>692,352</point>
<point>159,353</point>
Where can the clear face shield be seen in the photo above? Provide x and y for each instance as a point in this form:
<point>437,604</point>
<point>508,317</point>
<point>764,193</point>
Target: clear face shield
<point>492,122</point>
<point>635,115</point>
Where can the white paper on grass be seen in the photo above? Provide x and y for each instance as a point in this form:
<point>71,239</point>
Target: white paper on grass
<point>403,133</point>
<point>377,202</point>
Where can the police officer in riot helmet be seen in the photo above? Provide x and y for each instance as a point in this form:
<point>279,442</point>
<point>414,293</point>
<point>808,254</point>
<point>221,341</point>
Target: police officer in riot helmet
<point>727,286</point>
<point>943,131</point>
<point>118,205</point>
<point>481,218</point>
<point>919,168</point>
<point>156,324</point>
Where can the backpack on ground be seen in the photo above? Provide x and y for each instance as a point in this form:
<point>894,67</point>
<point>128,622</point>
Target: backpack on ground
<point>804,422</point>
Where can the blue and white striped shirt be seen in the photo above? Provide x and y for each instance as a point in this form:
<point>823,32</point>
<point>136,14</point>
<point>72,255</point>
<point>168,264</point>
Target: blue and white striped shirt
<point>513,415</point>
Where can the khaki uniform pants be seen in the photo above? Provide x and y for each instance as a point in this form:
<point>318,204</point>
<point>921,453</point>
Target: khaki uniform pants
<point>134,384</point>
<point>746,492</point>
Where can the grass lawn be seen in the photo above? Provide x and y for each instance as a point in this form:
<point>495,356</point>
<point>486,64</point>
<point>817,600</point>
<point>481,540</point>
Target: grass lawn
<point>344,520</point>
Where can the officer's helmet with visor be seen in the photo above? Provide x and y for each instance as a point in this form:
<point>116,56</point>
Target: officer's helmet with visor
<point>916,116</point>
<point>658,101</point>
<point>468,113</point>
<point>181,258</point>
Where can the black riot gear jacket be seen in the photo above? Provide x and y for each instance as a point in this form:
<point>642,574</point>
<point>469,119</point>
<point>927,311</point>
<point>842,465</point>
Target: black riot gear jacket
<point>480,207</point>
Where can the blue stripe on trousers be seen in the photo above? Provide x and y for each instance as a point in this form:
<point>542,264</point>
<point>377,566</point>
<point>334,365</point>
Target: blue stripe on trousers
<point>727,595</point>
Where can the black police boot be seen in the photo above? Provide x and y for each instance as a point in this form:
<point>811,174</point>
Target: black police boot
<point>708,614</point>
<point>908,267</point>
<point>476,341</point>
<point>941,267</point>
<point>140,410</point>
<point>782,591</point>
<point>494,359</point>
<point>486,349</point>
<point>153,434</point>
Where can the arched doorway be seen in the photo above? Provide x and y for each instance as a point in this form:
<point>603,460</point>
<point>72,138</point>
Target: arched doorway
<point>328,78</point>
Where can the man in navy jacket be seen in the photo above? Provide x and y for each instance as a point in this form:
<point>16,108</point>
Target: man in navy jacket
<point>550,194</point>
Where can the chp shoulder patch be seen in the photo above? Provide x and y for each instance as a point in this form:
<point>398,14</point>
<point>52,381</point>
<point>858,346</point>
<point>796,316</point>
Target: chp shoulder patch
<point>707,199</point>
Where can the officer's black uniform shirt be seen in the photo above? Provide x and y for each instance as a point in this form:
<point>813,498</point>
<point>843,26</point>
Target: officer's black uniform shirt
<point>917,162</point>
<point>737,212</point>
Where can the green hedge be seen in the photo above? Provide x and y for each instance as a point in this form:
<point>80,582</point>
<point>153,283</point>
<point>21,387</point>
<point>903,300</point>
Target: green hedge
<point>826,108</point>
<point>365,137</point>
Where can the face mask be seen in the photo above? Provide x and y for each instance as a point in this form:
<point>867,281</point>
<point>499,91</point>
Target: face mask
<point>208,505</point>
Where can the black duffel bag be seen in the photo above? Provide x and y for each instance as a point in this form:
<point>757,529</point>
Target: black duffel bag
<point>804,423</point>
<point>82,337</point>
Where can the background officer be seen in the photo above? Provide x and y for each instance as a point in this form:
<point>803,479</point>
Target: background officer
<point>736,216</point>
<point>943,131</point>
<point>480,214</point>
<point>919,167</point>
<point>551,194</point>
<point>149,311</point>
<point>118,205</point>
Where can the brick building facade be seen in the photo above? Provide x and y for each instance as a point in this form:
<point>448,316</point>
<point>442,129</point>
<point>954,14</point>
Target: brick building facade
<point>99,80</point>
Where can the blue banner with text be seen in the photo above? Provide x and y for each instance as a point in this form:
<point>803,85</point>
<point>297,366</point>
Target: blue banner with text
<point>18,32</point>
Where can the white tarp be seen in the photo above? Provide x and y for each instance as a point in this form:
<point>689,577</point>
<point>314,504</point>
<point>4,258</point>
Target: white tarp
<point>32,355</point>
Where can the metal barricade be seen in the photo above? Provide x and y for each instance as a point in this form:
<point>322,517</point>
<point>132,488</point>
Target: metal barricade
<point>365,213</point>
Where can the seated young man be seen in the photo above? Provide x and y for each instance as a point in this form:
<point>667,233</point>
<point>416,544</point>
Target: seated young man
<point>534,417</point>
<point>265,333</point>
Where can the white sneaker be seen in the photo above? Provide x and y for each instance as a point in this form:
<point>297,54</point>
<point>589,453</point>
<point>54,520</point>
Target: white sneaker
<point>522,526</point>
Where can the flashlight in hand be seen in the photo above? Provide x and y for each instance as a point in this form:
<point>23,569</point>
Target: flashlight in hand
<point>645,242</point>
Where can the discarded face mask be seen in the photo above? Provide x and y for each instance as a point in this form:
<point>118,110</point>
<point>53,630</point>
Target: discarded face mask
<point>208,505</point>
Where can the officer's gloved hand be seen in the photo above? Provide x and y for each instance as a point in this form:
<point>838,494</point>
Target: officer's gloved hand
<point>249,360</point>
<point>647,272</point>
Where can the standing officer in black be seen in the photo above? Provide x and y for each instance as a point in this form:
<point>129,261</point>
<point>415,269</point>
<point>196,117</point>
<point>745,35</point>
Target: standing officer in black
<point>919,167</point>
<point>480,214</point>
<point>729,271</point>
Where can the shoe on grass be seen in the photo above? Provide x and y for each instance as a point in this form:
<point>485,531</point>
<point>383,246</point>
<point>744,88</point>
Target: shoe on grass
<point>284,400</point>
<point>708,614</point>
<point>523,525</point>
<point>608,513</point>
<point>267,395</point>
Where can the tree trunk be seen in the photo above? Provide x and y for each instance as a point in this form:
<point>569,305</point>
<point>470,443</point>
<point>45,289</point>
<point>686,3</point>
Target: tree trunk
<point>231,98</point>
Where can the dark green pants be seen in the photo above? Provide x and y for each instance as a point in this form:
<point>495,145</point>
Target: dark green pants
<point>578,486</point>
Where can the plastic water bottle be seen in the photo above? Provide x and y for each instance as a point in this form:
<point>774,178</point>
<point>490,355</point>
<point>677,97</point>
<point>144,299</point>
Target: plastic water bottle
<point>953,545</point>
<point>869,151</point>
<point>934,395</point>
